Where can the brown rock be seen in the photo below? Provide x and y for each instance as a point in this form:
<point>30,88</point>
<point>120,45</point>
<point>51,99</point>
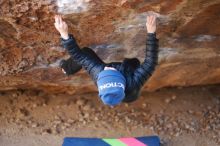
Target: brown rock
<point>188,32</point>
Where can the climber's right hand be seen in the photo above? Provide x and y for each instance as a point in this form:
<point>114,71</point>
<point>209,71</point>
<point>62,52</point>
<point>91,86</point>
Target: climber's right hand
<point>151,23</point>
<point>61,26</point>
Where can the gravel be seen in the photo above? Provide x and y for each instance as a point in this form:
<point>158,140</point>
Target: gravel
<point>171,124</point>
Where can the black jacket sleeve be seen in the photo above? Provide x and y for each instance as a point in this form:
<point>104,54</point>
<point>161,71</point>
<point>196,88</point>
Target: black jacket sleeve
<point>92,64</point>
<point>142,73</point>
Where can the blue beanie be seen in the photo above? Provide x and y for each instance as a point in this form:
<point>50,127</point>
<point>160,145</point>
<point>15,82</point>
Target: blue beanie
<point>111,86</point>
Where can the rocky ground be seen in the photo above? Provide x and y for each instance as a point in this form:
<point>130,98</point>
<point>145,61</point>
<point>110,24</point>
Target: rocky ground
<point>180,116</point>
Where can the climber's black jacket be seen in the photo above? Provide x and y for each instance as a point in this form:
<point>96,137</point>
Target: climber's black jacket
<point>136,74</point>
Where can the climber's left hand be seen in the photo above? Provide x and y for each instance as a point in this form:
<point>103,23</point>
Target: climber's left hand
<point>61,26</point>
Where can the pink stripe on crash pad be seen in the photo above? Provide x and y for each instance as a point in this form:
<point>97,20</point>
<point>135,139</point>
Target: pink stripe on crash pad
<point>132,142</point>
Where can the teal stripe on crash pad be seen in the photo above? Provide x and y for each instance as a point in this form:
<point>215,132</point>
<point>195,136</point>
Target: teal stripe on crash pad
<point>114,142</point>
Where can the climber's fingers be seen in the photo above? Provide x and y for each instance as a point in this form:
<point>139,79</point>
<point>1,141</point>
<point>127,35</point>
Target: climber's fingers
<point>59,19</point>
<point>153,19</point>
<point>151,23</point>
<point>63,71</point>
<point>56,19</point>
<point>149,19</point>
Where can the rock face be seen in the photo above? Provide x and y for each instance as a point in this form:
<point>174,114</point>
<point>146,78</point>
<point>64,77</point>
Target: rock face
<point>189,33</point>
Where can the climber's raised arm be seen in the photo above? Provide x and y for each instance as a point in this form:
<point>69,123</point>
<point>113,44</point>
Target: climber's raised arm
<point>146,69</point>
<point>92,63</point>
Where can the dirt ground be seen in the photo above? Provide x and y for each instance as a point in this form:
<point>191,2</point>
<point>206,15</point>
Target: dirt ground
<point>180,116</point>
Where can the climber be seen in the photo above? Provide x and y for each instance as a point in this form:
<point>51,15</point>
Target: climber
<point>116,81</point>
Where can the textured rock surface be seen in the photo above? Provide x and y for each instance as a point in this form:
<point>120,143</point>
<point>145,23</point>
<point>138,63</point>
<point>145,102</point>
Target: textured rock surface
<point>189,33</point>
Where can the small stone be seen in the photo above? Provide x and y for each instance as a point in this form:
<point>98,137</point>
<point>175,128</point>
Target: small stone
<point>173,97</point>
<point>199,113</point>
<point>57,117</point>
<point>33,18</point>
<point>34,105</point>
<point>201,105</point>
<point>87,107</point>
<point>29,122</point>
<point>17,120</point>
<point>207,128</point>
<point>174,123</point>
<point>145,114</point>
<point>57,131</point>
<point>144,105</point>
<point>192,129</point>
<point>171,133</point>
<point>55,126</point>
<point>96,118</point>
<point>47,131</point>
<point>209,107</point>
<point>180,87</point>
<point>80,102</point>
<point>187,126</point>
<point>81,119</point>
<point>167,100</point>
<point>190,112</point>
<point>86,115</point>
<point>80,114</point>
<point>70,121</point>
<point>14,95</point>
<point>151,128</point>
<point>63,127</point>
<point>23,112</point>
<point>34,125</point>
<point>57,122</point>
<point>51,109</point>
<point>161,112</point>
<point>127,119</point>
<point>160,121</point>
<point>67,125</point>
<point>169,126</point>
<point>84,122</point>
